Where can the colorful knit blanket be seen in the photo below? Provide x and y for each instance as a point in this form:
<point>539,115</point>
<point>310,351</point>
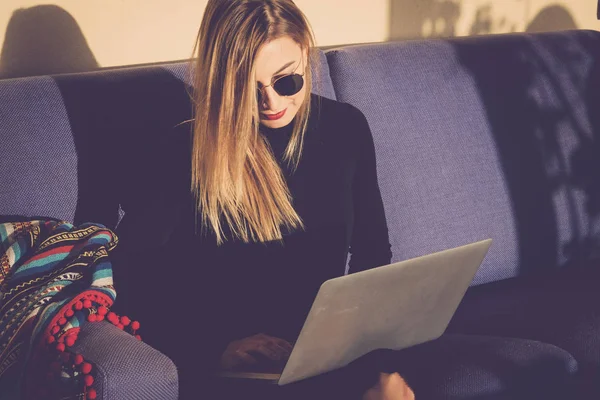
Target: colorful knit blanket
<point>53,278</point>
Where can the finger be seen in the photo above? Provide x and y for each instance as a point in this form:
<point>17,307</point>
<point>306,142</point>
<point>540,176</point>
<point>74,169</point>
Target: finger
<point>279,342</point>
<point>245,358</point>
<point>266,350</point>
<point>279,345</point>
<point>284,344</point>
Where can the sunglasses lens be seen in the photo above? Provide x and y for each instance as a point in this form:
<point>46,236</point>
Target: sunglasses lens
<point>289,85</point>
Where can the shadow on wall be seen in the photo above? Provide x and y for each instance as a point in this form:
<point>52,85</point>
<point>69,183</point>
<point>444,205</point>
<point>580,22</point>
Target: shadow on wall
<point>553,18</point>
<point>423,18</point>
<point>44,40</point>
<point>411,19</point>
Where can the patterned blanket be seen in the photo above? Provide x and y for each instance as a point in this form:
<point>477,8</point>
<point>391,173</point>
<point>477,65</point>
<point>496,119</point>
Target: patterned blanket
<point>53,278</point>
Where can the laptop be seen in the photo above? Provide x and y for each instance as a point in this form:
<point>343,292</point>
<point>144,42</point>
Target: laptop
<point>390,307</point>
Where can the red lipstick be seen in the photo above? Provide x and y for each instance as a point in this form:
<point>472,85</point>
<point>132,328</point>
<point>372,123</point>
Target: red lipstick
<point>274,117</point>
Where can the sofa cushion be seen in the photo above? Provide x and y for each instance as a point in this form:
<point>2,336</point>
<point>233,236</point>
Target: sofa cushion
<point>486,367</point>
<point>560,308</point>
<point>38,156</point>
<point>493,136</point>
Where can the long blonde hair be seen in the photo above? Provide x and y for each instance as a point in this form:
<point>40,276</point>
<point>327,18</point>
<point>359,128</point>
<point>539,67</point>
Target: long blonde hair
<point>236,179</point>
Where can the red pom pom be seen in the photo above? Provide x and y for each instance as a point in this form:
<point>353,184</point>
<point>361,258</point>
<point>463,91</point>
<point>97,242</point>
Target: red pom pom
<point>87,303</point>
<point>102,310</point>
<point>89,380</point>
<point>111,316</point>
<point>51,339</point>
<point>78,359</point>
<point>78,305</point>
<point>86,368</point>
<point>99,317</point>
<point>62,321</point>
<point>92,318</point>
<point>120,326</point>
<point>91,394</point>
<point>125,320</point>
<point>55,329</point>
<point>69,313</point>
<point>60,347</point>
<point>70,341</point>
<point>135,325</point>
<point>138,337</point>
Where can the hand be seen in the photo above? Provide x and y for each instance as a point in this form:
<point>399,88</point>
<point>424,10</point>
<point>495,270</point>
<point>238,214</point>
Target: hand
<point>251,350</point>
<point>389,387</point>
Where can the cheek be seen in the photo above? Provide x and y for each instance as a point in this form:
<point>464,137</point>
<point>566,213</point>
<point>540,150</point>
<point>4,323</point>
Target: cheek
<point>298,99</point>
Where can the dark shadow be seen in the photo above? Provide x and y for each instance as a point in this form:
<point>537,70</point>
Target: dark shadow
<point>409,19</point>
<point>483,21</point>
<point>552,18</point>
<point>514,118</point>
<point>585,163</point>
<point>123,122</point>
<point>130,137</point>
<point>44,40</point>
<point>531,89</point>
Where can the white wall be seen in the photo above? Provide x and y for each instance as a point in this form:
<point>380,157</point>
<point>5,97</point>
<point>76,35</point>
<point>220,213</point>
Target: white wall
<point>124,32</point>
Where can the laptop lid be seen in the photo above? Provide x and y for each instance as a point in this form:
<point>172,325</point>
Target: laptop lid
<point>391,307</point>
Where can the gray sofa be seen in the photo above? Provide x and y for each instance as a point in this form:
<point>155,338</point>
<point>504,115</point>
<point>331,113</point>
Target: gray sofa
<point>494,136</point>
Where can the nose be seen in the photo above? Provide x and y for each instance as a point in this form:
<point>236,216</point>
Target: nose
<point>270,100</point>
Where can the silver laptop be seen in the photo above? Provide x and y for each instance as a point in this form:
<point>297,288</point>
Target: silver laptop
<point>390,307</point>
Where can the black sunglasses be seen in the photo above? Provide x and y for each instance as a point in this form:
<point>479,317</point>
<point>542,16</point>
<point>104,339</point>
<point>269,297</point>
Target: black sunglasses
<point>287,85</point>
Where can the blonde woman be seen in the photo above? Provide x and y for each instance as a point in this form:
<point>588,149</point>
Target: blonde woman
<point>283,186</point>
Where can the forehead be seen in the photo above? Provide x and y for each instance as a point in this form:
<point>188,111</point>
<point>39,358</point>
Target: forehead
<point>274,55</point>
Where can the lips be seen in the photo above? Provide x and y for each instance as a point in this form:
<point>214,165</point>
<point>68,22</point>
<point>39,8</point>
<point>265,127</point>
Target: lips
<point>273,117</point>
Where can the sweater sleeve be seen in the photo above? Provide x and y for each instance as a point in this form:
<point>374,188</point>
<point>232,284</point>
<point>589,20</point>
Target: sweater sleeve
<point>369,246</point>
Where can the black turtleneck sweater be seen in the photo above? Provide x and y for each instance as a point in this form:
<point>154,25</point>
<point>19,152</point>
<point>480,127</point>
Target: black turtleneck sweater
<point>215,294</point>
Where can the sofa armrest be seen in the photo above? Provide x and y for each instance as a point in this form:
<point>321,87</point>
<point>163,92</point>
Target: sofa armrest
<point>124,367</point>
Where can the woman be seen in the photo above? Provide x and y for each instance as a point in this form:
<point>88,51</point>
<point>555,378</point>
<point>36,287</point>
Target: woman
<point>283,186</point>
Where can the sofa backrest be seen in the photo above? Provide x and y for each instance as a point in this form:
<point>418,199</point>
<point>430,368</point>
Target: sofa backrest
<point>60,136</point>
<point>493,136</point>
<point>38,159</point>
<point>487,137</point>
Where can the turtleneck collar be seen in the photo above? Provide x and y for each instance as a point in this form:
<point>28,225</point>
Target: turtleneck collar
<point>285,131</point>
